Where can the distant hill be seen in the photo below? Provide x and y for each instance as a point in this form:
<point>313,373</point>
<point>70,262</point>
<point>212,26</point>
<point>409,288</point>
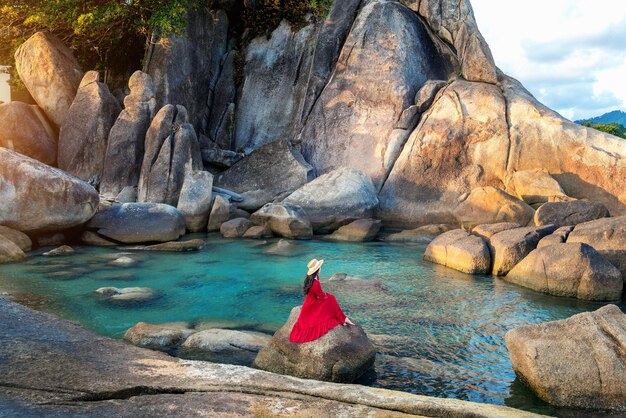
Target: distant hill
<point>616,116</point>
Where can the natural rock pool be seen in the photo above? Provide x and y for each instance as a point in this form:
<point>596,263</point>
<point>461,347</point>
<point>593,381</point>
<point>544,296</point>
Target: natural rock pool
<point>439,332</point>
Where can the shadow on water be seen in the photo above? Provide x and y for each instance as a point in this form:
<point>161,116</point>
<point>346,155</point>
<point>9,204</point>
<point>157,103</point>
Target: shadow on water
<point>438,332</point>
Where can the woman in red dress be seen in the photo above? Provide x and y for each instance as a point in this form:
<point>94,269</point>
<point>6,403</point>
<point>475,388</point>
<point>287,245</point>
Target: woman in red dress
<point>320,311</point>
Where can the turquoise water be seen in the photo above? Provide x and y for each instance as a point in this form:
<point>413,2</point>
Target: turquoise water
<point>440,333</point>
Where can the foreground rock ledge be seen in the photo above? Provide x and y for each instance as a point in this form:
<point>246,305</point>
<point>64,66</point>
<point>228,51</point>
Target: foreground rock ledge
<point>50,366</point>
<point>574,363</point>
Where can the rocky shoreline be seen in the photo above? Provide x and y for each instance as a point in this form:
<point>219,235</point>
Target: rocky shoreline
<point>49,366</point>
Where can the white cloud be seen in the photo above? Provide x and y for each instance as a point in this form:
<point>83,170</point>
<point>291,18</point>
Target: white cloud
<point>571,54</point>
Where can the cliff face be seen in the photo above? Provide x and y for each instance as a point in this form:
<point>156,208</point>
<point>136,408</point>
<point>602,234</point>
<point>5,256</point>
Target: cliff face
<point>404,90</point>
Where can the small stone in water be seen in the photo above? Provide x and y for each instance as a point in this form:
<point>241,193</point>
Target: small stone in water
<point>62,250</point>
<point>123,262</point>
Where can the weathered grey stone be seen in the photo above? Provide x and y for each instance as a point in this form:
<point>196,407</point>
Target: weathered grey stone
<point>272,170</point>
<point>155,337</point>
<point>127,294</point>
<point>125,148</point>
<point>235,228</point>
<point>195,198</point>
<point>18,238</point>
<point>284,220</point>
<point>26,130</point>
<point>461,251</point>
<point>139,222</point>
<point>571,270</point>
<point>488,230</point>
<point>85,130</point>
<point>50,73</point>
<point>61,351</point>
<point>509,247</point>
<point>386,59</point>
<point>9,251</point>
<point>223,346</point>
<point>574,363</point>
<point>172,152</point>
<point>358,231</point>
<point>607,236</point>
<point>220,212</point>
<point>535,186</point>
<point>341,355</point>
<point>487,205</point>
<point>258,232</point>
<point>95,240</point>
<point>185,67</point>
<point>274,86</point>
<point>221,123</point>
<point>37,197</point>
<point>336,198</point>
<point>127,195</point>
<point>569,213</point>
<point>213,155</point>
<point>422,234</point>
<point>426,95</point>
<point>557,237</point>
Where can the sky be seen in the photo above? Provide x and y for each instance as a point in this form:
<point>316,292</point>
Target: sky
<point>570,54</point>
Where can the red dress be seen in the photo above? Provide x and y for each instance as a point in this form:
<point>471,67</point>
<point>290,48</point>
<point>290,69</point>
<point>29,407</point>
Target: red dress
<point>319,314</point>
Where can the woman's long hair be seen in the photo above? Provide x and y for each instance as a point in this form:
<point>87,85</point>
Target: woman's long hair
<point>308,282</point>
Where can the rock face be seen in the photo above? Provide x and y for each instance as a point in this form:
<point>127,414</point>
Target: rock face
<point>607,236</point>
<point>125,148</point>
<point>535,186</point>
<point>284,220</point>
<point>569,213</point>
<point>85,130</point>
<point>172,152</point>
<point>272,170</point>
<point>571,270</point>
<point>36,197</point>
<point>574,363</point>
<point>220,212</point>
<point>50,73</point>
<point>510,247</point>
<point>488,205</point>
<point>489,230</point>
<point>336,198</point>
<point>461,251</point>
<point>194,202</point>
<point>26,130</point>
<point>557,237</point>
<point>386,59</point>
<point>139,222</point>
<point>185,68</point>
<point>342,355</point>
<point>223,346</point>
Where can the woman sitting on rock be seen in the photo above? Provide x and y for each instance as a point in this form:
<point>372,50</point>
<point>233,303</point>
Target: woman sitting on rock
<point>320,311</point>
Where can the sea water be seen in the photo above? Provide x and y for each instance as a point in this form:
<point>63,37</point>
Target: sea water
<point>439,332</point>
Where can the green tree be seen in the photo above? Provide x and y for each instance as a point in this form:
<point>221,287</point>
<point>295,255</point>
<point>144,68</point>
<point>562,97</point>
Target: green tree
<point>610,128</point>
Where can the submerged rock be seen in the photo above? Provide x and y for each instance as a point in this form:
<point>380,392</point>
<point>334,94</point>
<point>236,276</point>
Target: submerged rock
<point>574,363</point>
<point>156,337</point>
<point>258,232</point>
<point>59,251</point>
<point>284,248</point>
<point>224,346</point>
<point>26,130</point>
<point>336,198</point>
<point>37,197</point>
<point>284,220</point>
<point>461,251</point>
<point>127,294</point>
<point>50,73</point>
<point>342,355</point>
<point>131,223</point>
<point>570,270</point>
<point>172,246</point>
<point>123,262</point>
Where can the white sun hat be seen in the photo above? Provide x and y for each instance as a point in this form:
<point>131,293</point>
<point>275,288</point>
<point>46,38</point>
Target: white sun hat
<point>314,265</point>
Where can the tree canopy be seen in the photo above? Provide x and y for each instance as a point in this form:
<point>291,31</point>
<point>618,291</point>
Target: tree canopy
<point>610,128</point>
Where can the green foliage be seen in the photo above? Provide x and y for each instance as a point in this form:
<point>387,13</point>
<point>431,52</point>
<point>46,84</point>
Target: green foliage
<point>104,34</point>
<point>610,128</point>
<point>267,14</point>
